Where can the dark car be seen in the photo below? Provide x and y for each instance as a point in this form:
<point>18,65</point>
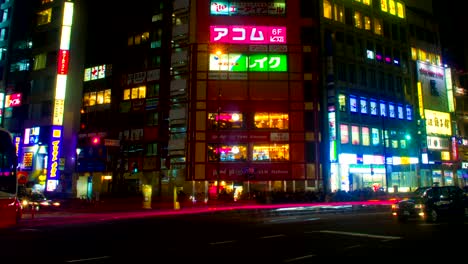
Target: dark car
<point>431,204</point>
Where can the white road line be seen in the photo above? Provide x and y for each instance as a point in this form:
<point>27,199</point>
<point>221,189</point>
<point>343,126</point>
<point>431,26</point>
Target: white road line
<point>274,236</point>
<point>283,219</point>
<point>358,234</point>
<point>312,219</point>
<point>351,247</point>
<point>222,242</point>
<point>299,258</point>
<point>87,259</point>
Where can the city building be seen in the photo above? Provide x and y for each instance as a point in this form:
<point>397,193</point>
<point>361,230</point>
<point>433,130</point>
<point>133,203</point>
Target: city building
<point>245,97</point>
<point>369,99</point>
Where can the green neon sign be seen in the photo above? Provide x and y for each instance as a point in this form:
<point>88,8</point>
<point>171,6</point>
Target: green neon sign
<point>242,63</point>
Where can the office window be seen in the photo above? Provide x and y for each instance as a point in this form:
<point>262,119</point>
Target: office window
<point>365,136</point>
<point>391,110</point>
<point>378,26</point>
<point>134,93</point>
<point>339,13</point>
<point>342,102</point>
<point>400,112</point>
<point>367,23</point>
<point>152,89</point>
<point>353,106</point>
<point>266,152</point>
<point>327,9</point>
<point>383,5</point>
<point>363,105</point>
<point>358,20</point>
<point>40,61</point>
<point>151,149</point>
<point>400,10</point>
<point>227,152</point>
<point>373,107</point>
<point>44,17</point>
<point>375,137</point>
<point>4,15</point>
<point>152,118</point>
<point>271,120</point>
<point>355,140</point>
<point>226,120</point>
<point>3,34</point>
<point>409,113</point>
<point>383,109</point>
<point>344,132</point>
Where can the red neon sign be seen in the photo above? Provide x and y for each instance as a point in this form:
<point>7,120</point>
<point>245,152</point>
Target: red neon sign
<point>62,62</point>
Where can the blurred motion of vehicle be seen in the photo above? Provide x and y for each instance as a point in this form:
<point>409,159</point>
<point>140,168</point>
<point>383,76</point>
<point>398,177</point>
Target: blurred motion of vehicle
<point>36,201</point>
<point>432,203</point>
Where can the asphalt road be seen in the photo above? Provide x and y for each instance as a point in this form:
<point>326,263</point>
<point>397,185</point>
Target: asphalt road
<point>231,238</point>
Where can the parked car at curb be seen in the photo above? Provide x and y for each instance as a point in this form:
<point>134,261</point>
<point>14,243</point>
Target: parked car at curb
<point>432,204</point>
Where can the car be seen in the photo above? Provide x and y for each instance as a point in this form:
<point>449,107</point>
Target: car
<point>37,200</point>
<point>431,204</point>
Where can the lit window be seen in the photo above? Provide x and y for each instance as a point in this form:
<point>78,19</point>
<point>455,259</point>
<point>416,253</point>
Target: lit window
<point>344,130</point>
<point>327,10</point>
<point>107,96</point>
<point>357,20</point>
<point>271,120</point>
<point>40,61</point>
<point>367,2</point>
<point>365,136</point>
<point>383,109</point>
<point>391,7</point>
<point>377,26</point>
<point>355,135</point>
<point>342,102</point>
<point>126,94</point>
<point>400,10</point>
<point>367,23</point>
<point>363,105</point>
<point>353,104</point>
<point>414,53</point>
<point>373,107</point>
<point>227,152</point>
<point>230,120</point>
<point>274,152</point>
<point>375,137</point>
<point>383,5</point>
<point>44,17</point>
<point>339,13</point>
<point>92,98</point>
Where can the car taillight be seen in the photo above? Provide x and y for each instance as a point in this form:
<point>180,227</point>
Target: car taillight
<point>395,206</point>
<point>419,206</point>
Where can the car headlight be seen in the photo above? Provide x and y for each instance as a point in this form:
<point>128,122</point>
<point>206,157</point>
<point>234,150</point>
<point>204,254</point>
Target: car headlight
<point>395,206</point>
<point>25,202</point>
<point>45,203</point>
<point>56,204</point>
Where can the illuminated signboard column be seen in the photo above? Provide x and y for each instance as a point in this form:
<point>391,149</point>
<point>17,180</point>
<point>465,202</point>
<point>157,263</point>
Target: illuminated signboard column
<point>53,173</point>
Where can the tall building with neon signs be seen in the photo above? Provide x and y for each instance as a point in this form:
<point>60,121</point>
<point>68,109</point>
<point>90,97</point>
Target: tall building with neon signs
<point>44,112</point>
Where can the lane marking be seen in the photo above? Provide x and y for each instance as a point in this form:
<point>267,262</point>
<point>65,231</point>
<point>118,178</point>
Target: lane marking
<point>351,247</point>
<point>312,219</point>
<point>359,234</point>
<point>222,242</point>
<point>299,258</point>
<point>87,259</point>
<point>273,236</point>
<point>283,219</point>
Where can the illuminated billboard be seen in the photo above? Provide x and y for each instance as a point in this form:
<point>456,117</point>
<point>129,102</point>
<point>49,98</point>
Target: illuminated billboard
<point>255,62</point>
<point>260,8</point>
<point>53,173</point>
<point>248,34</point>
<point>95,73</point>
<point>13,100</point>
<point>438,123</point>
<point>432,79</point>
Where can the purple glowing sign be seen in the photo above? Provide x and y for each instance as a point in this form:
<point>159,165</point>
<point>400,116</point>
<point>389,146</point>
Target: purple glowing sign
<point>53,173</point>
<point>248,34</point>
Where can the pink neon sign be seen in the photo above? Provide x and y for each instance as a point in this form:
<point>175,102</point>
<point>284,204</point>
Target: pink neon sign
<point>248,34</point>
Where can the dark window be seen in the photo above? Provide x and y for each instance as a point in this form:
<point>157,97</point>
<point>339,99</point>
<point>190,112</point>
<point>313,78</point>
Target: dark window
<point>349,16</point>
<point>309,9</point>
<point>363,75</point>
<point>341,70</point>
<point>403,37</point>
<point>310,155</point>
<point>308,94</point>
<point>352,73</point>
<point>339,36</point>
<point>386,29</point>
<point>395,32</point>
<point>309,35</point>
<point>309,120</point>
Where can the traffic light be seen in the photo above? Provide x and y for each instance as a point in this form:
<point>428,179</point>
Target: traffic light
<point>95,140</point>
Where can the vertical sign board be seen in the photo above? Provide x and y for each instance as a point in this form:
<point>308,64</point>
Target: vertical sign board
<point>53,173</point>
<point>63,60</point>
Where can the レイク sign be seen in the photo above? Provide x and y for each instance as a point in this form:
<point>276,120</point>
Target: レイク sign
<point>255,62</point>
<point>53,173</point>
<point>248,34</point>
